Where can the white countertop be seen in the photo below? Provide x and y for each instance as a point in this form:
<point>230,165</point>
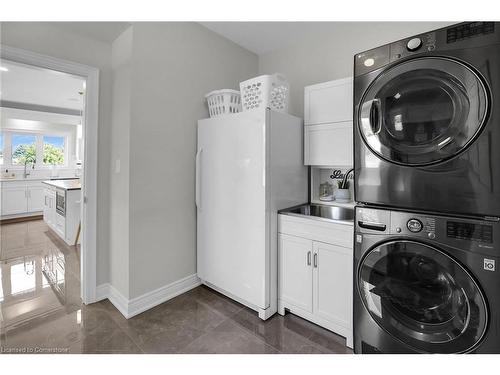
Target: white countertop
<point>73,184</point>
<point>17,179</point>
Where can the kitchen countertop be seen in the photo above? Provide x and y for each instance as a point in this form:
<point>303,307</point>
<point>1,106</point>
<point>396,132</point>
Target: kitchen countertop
<point>73,184</point>
<point>339,214</point>
<point>34,179</point>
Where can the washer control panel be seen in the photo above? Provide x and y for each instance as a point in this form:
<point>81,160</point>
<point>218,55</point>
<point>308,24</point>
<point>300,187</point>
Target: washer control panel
<point>413,224</point>
<point>470,234</point>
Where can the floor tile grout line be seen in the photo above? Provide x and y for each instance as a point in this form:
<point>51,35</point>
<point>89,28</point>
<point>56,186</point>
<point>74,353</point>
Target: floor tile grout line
<point>122,330</point>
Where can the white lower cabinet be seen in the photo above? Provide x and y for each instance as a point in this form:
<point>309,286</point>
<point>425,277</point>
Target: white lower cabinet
<point>49,207</point>
<point>21,198</point>
<point>65,226</point>
<point>332,298</point>
<point>316,278</point>
<point>14,200</point>
<point>296,277</point>
<point>36,198</point>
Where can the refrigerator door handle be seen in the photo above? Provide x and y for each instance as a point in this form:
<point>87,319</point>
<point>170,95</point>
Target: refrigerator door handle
<point>198,179</point>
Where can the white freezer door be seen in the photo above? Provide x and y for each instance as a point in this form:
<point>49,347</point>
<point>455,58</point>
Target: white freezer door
<point>231,206</point>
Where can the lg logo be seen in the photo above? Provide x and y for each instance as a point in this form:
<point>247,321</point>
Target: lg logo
<point>489,264</point>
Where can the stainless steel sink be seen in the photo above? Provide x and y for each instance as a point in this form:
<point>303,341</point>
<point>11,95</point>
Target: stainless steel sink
<point>322,212</point>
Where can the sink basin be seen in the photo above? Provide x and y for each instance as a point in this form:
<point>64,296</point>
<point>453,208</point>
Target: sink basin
<point>324,212</point>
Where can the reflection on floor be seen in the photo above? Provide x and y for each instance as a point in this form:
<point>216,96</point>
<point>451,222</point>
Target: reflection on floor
<point>41,312</point>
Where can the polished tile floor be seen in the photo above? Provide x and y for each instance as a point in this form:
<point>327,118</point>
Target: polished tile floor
<point>41,312</point>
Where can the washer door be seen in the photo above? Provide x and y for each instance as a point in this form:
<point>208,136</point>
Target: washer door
<point>422,297</point>
<point>423,111</point>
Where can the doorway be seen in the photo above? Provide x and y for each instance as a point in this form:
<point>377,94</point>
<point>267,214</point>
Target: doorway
<point>73,154</point>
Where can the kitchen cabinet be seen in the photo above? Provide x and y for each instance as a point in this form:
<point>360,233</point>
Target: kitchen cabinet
<point>328,119</point>
<point>35,198</point>
<point>49,208</point>
<point>64,225</point>
<point>332,276</point>
<point>328,144</point>
<point>14,200</point>
<point>295,254</point>
<point>21,198</point>
<point>328,102</point>
<point>316,272</point>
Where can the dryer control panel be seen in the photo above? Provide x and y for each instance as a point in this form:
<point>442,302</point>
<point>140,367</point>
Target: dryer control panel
<point>455,37</point>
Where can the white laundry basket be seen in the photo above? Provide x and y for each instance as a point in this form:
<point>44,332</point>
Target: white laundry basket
<point>265,91</point>
<point>223,102</point>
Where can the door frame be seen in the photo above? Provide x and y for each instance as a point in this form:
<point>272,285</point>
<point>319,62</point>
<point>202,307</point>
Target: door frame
<point>88,263</point>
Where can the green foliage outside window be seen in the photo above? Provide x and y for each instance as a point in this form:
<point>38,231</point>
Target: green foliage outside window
<point>27,154</point>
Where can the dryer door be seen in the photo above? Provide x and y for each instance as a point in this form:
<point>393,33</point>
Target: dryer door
<point>423,297</point>
<point>423,111</point>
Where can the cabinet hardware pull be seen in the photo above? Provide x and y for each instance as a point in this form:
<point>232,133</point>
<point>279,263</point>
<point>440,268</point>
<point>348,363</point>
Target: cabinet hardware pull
<point>308,258</point>
<point>316,260</point>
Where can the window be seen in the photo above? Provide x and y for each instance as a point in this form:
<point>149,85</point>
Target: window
<point>43,150</point>
<point>1,148</point>
<point>53,150</point>
<point>23,148</point>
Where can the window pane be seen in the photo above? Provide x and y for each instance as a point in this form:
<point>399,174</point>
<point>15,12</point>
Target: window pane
<point>23,148</point>
<point>1,148</point>
<point>53,150</point>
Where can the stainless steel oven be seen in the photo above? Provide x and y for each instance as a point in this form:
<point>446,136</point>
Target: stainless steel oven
<point>61,202</point>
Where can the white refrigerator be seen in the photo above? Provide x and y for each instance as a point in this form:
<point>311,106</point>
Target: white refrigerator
<point>249,165</point>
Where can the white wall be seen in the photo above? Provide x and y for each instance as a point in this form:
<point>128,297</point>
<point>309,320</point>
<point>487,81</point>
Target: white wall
<point>49,40</point>
<point>174,66</point>
<point>328,52</point>
<point>119,251</point>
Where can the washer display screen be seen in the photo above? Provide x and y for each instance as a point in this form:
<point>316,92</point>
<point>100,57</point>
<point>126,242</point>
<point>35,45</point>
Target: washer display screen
<point>469,231</point>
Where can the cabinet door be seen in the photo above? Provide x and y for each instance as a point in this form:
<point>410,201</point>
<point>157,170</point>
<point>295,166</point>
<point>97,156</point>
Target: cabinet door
<point>329,102</point>
<point>295,255</point>
<point>47,216</point>
<point>36,198</point>
<point>51,199</point>
<point>333,279</point>
<point>14,200</point>
<point>328,144</point>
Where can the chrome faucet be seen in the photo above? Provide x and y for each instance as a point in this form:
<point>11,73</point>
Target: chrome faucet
<point>346,176</point>
<point>26,173</point>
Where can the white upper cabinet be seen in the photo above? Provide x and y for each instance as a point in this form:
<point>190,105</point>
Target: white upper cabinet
<point>328,102</point>
<point>328,144</point>
<point>328,112</point>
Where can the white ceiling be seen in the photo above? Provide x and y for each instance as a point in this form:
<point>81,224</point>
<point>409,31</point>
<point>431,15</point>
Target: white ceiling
<point>103,31</point>
<point>263,37</point>
<point>31,85</point>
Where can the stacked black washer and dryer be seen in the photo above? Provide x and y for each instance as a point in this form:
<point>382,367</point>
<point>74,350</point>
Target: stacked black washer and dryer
<point>427,186</point>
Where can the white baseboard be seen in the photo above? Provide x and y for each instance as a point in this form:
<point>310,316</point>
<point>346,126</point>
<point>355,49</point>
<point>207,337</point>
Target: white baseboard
<point>137,305</point>
<point>102,292</point>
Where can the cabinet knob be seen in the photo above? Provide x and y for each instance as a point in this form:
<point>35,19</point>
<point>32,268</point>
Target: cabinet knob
<point>316,260</point>
<point>308,258</point>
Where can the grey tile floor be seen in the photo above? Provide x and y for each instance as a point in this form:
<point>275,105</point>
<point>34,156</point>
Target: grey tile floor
<point>40,311</point>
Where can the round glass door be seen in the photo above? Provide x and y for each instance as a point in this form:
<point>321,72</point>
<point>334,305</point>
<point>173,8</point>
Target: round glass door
<point>423,111</point>
<point>422,297</point>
